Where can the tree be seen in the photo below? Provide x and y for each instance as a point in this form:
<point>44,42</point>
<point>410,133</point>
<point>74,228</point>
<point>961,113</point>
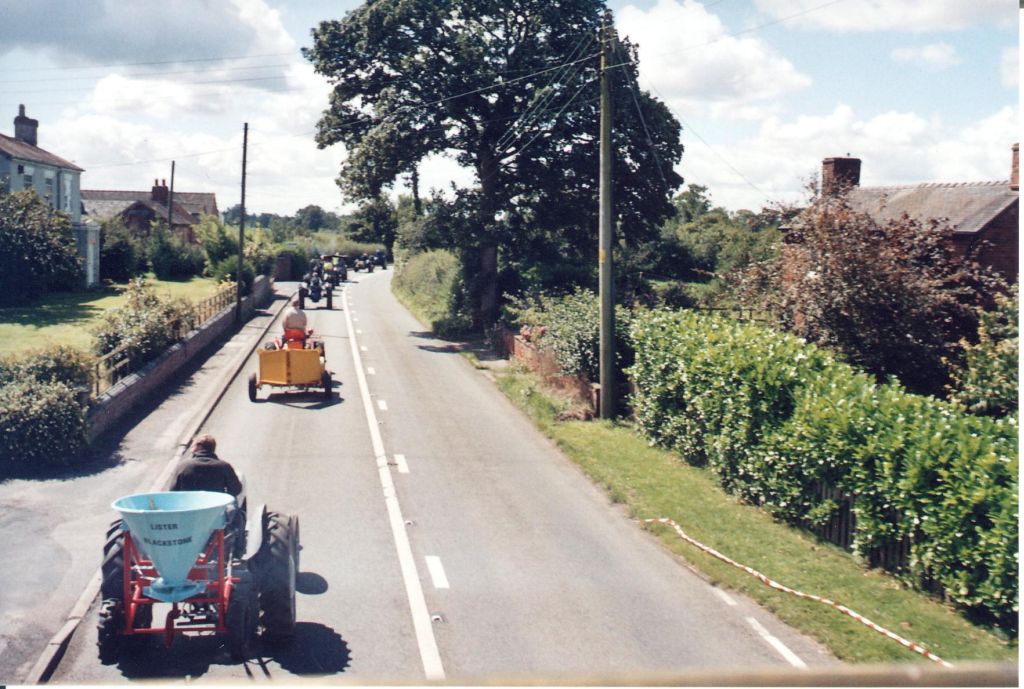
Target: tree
<point>37,249</point>
<point>989,380</point>
<point>508,88</point>
<point>893,298</point>
<point>122,255</point>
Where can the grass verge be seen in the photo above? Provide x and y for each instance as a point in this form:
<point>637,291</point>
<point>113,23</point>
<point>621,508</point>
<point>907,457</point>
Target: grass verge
<point>66,318</point>
<point>654,483</point>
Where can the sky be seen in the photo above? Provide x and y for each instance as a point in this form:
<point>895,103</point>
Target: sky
<point>919,90</point>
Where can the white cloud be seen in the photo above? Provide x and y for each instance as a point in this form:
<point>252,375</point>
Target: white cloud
<point>936,56</point>
<point>891,15</point>
<point>150,36</point>
<point>687,54</point>
<point>1009,67</point>
<point>895,147</point>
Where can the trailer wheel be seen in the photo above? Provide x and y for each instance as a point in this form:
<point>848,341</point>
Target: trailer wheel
<point>276,567</point>
<point>252,387</point>
<point>325,380</point>
<point>242,615</point>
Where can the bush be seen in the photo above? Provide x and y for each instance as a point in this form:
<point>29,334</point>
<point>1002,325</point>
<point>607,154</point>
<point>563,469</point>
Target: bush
<point>147,324</point>
<point>227,271</point>
<point>779,421</point>
<point>58,364</point>
<point>41,424</point>
<point>172,258</point>
<point>37,249</point>
<point>122,255</point>
<point>571,327</point>
<point>989,380</point>
<point>432,284</point>
<point>893,298</point>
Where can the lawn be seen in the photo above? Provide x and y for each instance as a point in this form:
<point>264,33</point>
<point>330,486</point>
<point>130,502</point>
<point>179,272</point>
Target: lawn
<point>653,483</point>
<point>66,318</point>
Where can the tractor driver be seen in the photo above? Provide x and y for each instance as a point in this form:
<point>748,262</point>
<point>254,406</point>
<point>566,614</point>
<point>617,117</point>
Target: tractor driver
<point>294,321</point>
<point>204,470</point>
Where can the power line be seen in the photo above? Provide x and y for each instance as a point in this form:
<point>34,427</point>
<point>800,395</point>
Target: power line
<point>156,62</point>
<point>643,122</point>
<point>508,139</point>
<point>186,83</point>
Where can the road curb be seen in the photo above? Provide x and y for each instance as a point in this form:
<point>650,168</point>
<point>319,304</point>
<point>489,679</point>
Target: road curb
<point>50,658</point>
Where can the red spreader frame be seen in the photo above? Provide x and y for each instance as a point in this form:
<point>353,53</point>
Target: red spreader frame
<point>209,568</point>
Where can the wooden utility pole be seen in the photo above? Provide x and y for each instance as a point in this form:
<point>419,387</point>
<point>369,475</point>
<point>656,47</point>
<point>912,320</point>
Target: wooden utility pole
<point>170,203</point>
<point>604,254</point>
<point>241,230</point>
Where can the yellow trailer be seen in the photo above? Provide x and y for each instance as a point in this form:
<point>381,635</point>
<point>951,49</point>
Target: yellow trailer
<point>295,368</point>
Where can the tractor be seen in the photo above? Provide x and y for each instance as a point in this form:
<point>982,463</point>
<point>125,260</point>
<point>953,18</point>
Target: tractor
<point>193,555</point>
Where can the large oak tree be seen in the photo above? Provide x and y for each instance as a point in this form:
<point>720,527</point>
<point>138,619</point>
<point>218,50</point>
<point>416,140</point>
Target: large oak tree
<point>509,87</point>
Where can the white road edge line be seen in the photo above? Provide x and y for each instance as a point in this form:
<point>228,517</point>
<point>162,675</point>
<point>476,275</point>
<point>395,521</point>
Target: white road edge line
<point>437,571</point>
<point>403,466</point>
<point>792,658</point>
<point>724,596</point>
<point>421,622</point>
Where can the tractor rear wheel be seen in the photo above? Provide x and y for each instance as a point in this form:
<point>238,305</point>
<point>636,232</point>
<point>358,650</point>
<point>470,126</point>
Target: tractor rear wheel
<point>276,567</point>
<point>112,569</point>
<point>242,615</point>
<point>252,387</point>
<point>108,628</point>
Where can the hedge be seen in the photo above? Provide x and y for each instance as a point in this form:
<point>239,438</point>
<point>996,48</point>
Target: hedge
<point>40,424</point>
<point>779,420</point>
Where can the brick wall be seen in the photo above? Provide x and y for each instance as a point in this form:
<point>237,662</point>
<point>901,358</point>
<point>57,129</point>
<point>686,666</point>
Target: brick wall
<point>120,399</point>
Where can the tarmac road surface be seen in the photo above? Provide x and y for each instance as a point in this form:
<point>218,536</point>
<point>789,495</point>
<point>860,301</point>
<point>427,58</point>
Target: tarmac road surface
<point>443,536</point>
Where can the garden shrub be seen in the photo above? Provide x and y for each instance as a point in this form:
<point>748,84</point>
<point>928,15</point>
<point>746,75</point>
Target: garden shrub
<point>777,420</point>
<point>147,324</point>
<point>432,283</point>
<point>57,364</point>
<point>37,249</point>
<point>989,381</point>
<point>122,255</point>
<point>227,271</point>
<point>570,325</point>
<point>172,258</point>
<point>41,424</point>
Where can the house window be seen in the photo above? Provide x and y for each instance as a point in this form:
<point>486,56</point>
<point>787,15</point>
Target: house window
<point>49,188</point>
<point>26,176</point>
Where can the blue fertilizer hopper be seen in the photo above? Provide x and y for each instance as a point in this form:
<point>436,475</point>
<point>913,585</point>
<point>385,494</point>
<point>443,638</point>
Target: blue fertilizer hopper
<point>172,529</point>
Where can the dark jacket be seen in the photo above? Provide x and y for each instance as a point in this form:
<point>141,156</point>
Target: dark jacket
<point>205,471</point>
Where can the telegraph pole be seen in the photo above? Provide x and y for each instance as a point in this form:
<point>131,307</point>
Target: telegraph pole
<point>604,254</point>
<point>170,203</point>
<point>241,230</point>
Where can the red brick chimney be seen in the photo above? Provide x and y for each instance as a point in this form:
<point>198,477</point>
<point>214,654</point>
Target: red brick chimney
<point>25,128</point>
<point>159,192</point>
<point>839,173</point>
<point>1015,169</point>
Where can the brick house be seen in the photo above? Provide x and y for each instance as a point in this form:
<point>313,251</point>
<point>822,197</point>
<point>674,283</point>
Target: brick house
<point>137,209</point>
<point>984,215</point>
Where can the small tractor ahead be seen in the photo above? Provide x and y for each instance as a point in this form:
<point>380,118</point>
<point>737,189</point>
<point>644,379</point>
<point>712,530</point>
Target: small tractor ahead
<point>315,288</point>
<point>295,360</point>
<point>190,556</point>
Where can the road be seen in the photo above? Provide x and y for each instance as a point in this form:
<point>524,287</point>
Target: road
<point>443,536</point>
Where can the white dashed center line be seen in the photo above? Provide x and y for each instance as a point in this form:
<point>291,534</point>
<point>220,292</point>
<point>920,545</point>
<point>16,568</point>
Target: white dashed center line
<point>382,405</point>
<point>403,466</point>
<point>370,371</point>
<point>792,658</point>
<point>437,572</point>
<point>363,348</point>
